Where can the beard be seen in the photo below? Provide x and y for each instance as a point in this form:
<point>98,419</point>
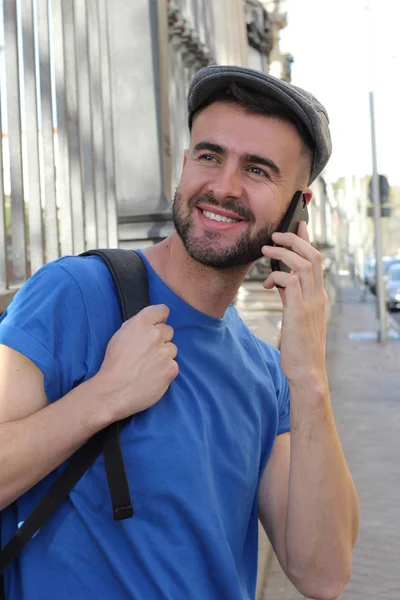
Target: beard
<point>206,248</point>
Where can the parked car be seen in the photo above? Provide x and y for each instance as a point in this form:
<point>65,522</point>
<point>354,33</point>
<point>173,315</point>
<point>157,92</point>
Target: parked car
<point>388,261</point>
<point>392,287</point>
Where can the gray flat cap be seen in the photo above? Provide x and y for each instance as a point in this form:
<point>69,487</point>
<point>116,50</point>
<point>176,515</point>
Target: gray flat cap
<point>312,114</point>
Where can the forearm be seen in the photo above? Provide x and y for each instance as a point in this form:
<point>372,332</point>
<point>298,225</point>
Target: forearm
<point>32,447</point>
<point>322,515</point>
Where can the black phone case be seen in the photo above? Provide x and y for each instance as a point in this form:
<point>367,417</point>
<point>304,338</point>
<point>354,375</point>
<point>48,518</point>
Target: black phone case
<point>296,212</point>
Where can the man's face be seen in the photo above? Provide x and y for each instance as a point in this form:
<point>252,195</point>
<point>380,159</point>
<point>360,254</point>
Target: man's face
<point>238,178</point>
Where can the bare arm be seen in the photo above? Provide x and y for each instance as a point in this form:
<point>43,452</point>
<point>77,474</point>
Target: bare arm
<point>308,506</point>
<point>36,437</point>
<point>308,501</point>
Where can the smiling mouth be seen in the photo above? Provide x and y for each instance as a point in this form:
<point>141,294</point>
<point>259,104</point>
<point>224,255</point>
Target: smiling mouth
<point>219,218</point>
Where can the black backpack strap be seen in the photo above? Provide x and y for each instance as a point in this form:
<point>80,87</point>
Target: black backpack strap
<point>130,278</point>
<point>76,468</point>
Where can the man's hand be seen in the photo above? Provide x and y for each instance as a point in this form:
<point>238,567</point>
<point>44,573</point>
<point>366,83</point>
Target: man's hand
<point>139,363</point>
<point>138,367</point>
<point>304,323</point>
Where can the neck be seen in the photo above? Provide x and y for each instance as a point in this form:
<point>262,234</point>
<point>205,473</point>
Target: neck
<point>208,290</point>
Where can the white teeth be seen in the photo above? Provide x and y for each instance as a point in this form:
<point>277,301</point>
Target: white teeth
<point>215,217</point>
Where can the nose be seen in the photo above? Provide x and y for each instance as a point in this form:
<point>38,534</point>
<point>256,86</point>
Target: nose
<point>227,184</point>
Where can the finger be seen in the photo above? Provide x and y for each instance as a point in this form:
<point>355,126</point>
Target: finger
<point>174,369</point>
<point>167,331</point>
<point>291,240</point>
<point>298,264</point>
<point>291,295</point>
<point>302,232</point>
<point>303,248</point>
<point>173,349</point>
<point>152,315</point>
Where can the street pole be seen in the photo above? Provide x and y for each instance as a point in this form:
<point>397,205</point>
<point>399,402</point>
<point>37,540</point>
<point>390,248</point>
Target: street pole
<point>380,292</point>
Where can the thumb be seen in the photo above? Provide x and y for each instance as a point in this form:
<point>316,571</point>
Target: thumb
<point>155,314</point>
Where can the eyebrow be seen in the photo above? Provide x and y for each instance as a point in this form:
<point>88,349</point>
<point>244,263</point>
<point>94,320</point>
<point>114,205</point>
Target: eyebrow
<point>254,158</point>
<point>209,146</point>
<point>259,160</point>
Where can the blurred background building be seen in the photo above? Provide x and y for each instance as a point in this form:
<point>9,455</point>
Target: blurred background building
<point>103,116</point>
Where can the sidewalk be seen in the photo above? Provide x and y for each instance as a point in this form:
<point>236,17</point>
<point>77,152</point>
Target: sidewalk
<point>365,387</point>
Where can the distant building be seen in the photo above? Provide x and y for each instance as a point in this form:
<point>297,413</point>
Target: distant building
<point>279,63</point>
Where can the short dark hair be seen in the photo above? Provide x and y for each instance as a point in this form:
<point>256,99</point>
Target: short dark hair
<point>256,103</point>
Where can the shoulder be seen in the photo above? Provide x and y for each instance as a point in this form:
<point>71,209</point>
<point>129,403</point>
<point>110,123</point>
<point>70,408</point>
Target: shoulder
<point>264,354</point>
<point>67,274</point>
<point>71,283</point>
<point>270,354</point>
<point>92,293</point>
<point>265,363</point>
<point>90,276</point>
<point>272,358</point>
<point>84,270</point>
<point>62,318</point>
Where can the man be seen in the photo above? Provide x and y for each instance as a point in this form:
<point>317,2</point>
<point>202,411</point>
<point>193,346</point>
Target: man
<point>209,446</point>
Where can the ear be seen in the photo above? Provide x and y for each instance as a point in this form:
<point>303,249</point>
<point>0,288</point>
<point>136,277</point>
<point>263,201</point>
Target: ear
<point>185,157</point>
<point>308,195</point>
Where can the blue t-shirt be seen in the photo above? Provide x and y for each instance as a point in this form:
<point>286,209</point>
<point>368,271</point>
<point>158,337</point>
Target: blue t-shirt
<point>194,460</point>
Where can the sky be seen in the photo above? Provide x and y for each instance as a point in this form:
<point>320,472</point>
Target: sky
<point>341,51</point>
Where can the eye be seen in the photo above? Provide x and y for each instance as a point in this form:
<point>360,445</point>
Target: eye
<point>207,157</point>
<point>258,171</point>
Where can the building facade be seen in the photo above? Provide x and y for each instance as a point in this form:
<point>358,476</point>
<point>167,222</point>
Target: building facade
<point>98,90</point>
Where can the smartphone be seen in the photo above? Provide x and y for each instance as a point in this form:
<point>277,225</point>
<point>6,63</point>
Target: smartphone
<point>296,212</point>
